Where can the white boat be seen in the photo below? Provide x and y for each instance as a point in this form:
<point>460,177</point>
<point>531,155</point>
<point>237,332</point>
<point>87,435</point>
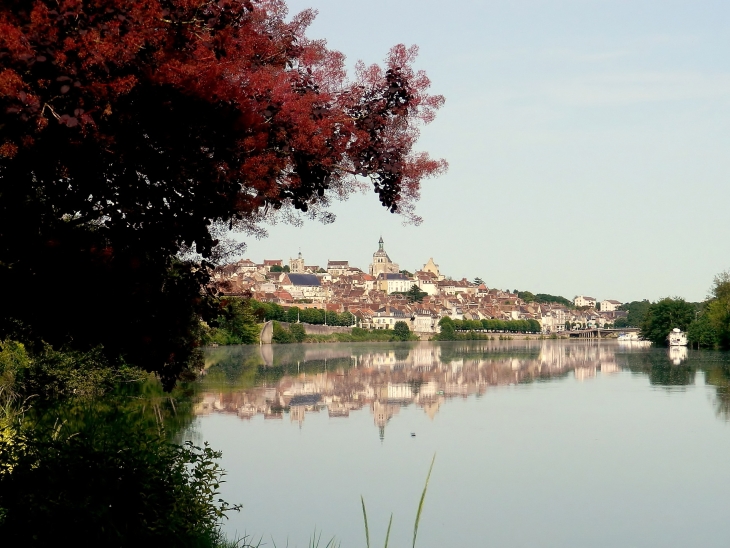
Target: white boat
<point>677,337</point>
<point>628,337</point>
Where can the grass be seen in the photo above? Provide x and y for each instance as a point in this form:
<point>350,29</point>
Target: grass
<point>390,523</point>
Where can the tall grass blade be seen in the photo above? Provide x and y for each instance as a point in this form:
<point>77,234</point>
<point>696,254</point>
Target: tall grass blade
<point>387,535</point>
<point>420,504</point>
<point>365,517</point>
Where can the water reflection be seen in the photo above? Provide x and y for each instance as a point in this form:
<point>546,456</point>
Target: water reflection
<point>678,354</point>
<point>294,380</point>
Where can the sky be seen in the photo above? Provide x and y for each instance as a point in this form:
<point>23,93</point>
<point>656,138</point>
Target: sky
<point>588,145</point>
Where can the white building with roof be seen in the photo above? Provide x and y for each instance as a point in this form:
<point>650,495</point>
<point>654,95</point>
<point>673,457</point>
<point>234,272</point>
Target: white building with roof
<point>582,300</point>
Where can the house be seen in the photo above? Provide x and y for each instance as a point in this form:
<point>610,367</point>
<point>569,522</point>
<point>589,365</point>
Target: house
<point>610,305</point>
<point>433,268</point>
<point>268,263</point>
<point>424,321</point>
<point>582,300</point>
<point>303,286</point>
<point>337,268</point>
<point>386,317</point>
<point>390,282</point>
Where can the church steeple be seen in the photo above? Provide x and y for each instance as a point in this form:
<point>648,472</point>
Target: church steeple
<point>380,244</point>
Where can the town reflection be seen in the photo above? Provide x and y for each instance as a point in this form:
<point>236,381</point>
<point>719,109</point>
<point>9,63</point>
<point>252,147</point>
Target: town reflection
<point>277,381</point>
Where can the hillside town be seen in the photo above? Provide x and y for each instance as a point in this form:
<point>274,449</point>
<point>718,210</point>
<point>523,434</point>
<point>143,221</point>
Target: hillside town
<point>379,297</point>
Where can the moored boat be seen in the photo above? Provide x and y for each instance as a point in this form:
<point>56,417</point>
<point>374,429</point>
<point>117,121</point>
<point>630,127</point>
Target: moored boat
<point>677,337</point>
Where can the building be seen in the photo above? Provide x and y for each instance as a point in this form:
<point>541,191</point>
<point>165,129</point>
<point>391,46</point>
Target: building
<point>268,263</point>
<point>392,283</point>
<point>296,266</point>
<point>433,268</point>
<point>381,262</point>
<point>303,286</point>
<point>337,268</point>
<point>582,300</point>
<point>610,305</point>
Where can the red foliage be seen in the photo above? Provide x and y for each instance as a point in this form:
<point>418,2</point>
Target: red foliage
<point>299,127</point>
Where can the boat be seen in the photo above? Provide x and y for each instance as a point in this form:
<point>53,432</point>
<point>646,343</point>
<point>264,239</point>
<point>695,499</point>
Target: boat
<point>677,337</point>
<point>632,339</point>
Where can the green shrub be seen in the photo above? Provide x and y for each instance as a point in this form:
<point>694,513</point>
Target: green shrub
<point>108,483</point>
<point>280,334</point>
<point>297,332</point>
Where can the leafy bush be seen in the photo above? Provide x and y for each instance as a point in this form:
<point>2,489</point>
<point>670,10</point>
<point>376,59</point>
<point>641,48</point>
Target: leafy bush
<point>109,482</point>
<point>51,373</point>
<point>281,334</point>
<point>297,332</point>
<point>401,331</point>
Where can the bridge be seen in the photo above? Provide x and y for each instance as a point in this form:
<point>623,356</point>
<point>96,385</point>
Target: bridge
<point>597,333</point>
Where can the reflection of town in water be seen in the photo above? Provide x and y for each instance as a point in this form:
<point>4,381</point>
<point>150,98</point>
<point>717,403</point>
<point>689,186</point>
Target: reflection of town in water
<point>294,380</point>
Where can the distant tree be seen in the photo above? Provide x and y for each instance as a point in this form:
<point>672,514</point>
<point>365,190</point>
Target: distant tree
<point>239,320</point>
<point>664,315</point>
<point>636,312</point>
<point>553,299</point>
<point>448,332</point>
<point>567,326</point>
<point>702,333</point>
<point>621,322</point>
<point>478,281</point>
<point>406,273</point>
<point>401,331</point>
<point>415,294</point>
<point>718,309</point>
<point>277,268</point>
<point>526,296</point>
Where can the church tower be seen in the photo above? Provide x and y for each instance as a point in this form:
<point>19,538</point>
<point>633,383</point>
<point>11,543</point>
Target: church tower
<point>381,262</point>
<point>297,265</point>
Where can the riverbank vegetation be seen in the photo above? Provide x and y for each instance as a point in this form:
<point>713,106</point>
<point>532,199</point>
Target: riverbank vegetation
<point>453,330</point>
<point>295,333</point>
<point>707,324</point>
<point>87,455</point>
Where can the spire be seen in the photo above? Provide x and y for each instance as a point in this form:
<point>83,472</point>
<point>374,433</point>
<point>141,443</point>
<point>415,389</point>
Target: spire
<point>380,244</point>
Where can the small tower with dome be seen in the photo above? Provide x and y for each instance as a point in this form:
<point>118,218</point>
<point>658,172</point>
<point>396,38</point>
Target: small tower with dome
<point>381,262</point>
<point>297,265</point>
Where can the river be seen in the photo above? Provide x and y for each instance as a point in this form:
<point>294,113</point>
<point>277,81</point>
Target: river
<point>537,443</point>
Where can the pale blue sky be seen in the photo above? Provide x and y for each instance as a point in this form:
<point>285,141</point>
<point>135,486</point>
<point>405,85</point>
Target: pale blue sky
<point>588,144</point>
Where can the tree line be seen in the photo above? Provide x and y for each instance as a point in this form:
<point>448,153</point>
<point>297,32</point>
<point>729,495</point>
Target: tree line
<point>707,324</point>
<point>450,328</point>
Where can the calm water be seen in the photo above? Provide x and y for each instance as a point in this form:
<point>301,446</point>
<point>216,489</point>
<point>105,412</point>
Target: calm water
<point>537,443</point>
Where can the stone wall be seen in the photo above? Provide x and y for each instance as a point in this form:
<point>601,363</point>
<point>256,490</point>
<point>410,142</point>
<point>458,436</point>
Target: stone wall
<point>315,329</point>
<point>267,330</point>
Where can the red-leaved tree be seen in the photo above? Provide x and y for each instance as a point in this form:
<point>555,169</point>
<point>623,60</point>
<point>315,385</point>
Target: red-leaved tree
<point>131,129</point>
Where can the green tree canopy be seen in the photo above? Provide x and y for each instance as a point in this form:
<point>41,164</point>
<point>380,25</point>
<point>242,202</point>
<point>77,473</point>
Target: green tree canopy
<point>401,331</point>
<point>712,328</point>
<point>637,312</point>
<point>448,332</point>
<point>526,296</point>
<point>664,315</point>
